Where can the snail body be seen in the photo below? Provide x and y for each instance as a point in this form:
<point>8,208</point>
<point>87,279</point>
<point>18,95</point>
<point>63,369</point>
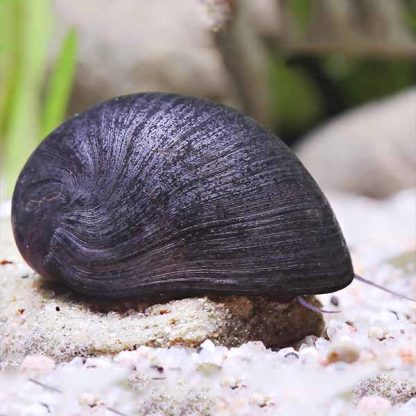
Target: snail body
<point>169,196</point>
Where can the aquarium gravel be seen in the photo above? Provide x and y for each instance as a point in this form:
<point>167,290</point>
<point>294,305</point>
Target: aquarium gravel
<point>363,364</point>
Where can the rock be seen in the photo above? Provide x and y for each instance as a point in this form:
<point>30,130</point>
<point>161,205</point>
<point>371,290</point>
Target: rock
<point>152,46</point>
<point>149,46</point>
<point>395,388</point>
<point>370,150</point>
<point>40,318</point>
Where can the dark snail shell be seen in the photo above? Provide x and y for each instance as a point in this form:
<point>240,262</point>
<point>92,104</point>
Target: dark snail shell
<point>156,194</point>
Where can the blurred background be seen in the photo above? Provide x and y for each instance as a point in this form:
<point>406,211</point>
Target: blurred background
<point>334,79</point>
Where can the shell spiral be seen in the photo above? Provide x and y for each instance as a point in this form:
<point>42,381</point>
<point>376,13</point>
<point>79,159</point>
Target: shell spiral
<point>163,195</point>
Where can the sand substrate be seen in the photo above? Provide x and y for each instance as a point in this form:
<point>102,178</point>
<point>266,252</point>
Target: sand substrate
<point>364,363</point>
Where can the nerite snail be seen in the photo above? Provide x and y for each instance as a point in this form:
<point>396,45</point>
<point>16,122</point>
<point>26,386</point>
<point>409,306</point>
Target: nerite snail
<point>162,195</point>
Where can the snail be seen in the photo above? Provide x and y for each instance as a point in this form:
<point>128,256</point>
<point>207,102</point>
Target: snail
<point>161,195</point>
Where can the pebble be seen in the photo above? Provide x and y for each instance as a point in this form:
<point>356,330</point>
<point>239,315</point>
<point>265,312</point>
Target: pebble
<point>344,350</point>
<point>377,332</point>
<point>258,399</point>
<point>37,363</point>
<point>87,399</point>
<point>373,405</point>
<point>397,388</point>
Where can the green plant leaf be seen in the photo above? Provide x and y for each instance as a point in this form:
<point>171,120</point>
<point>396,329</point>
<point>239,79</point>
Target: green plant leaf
<point>60,85</point>
<point>33,29</point>
<point>8,60</point>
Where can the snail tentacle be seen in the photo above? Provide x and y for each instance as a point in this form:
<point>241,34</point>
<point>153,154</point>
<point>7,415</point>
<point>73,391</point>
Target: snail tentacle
<point>385,289</point>
<point>308,305</point>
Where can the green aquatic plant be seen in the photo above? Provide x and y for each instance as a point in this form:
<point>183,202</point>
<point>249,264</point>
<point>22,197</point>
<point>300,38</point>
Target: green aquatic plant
<point>33,97</point>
